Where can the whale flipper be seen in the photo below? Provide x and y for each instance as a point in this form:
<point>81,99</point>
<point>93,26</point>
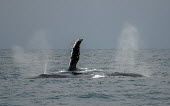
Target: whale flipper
<point>75,55</point>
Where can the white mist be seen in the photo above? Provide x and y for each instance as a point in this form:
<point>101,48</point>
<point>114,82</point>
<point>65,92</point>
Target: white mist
<point>127,45</point>
<point>35,61</point>
<point>128,49</point>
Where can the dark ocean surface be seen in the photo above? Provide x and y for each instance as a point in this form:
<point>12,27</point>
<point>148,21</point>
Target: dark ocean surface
<point>17,66</point>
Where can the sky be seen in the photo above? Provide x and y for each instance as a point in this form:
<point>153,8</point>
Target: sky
<point>56,24</point>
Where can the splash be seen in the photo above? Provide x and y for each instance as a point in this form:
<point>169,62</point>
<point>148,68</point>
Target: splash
<point>98,76</point>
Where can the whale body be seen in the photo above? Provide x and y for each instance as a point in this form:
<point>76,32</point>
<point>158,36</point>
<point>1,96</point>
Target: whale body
<point>125,74</point>
<point>74,71</point>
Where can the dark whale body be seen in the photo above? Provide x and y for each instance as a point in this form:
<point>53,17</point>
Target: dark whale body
<point>125,74</point>
<point>57,76</point>
<point>74,71</point>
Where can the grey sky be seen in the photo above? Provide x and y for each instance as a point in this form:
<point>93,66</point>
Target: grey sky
<point>99,22</point>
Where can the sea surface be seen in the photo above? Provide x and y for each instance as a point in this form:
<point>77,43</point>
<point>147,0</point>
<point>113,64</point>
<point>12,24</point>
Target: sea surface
<point>18,66</point>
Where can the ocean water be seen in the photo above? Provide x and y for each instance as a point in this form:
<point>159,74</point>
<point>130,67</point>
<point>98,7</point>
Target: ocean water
<point>17,66</point>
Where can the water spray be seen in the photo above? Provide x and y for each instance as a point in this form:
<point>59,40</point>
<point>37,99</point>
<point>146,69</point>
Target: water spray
<point>46,65</point>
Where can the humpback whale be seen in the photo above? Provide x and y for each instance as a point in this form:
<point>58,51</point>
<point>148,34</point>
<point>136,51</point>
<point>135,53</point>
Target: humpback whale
<point>75,53</point>
<point>74,71</point>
